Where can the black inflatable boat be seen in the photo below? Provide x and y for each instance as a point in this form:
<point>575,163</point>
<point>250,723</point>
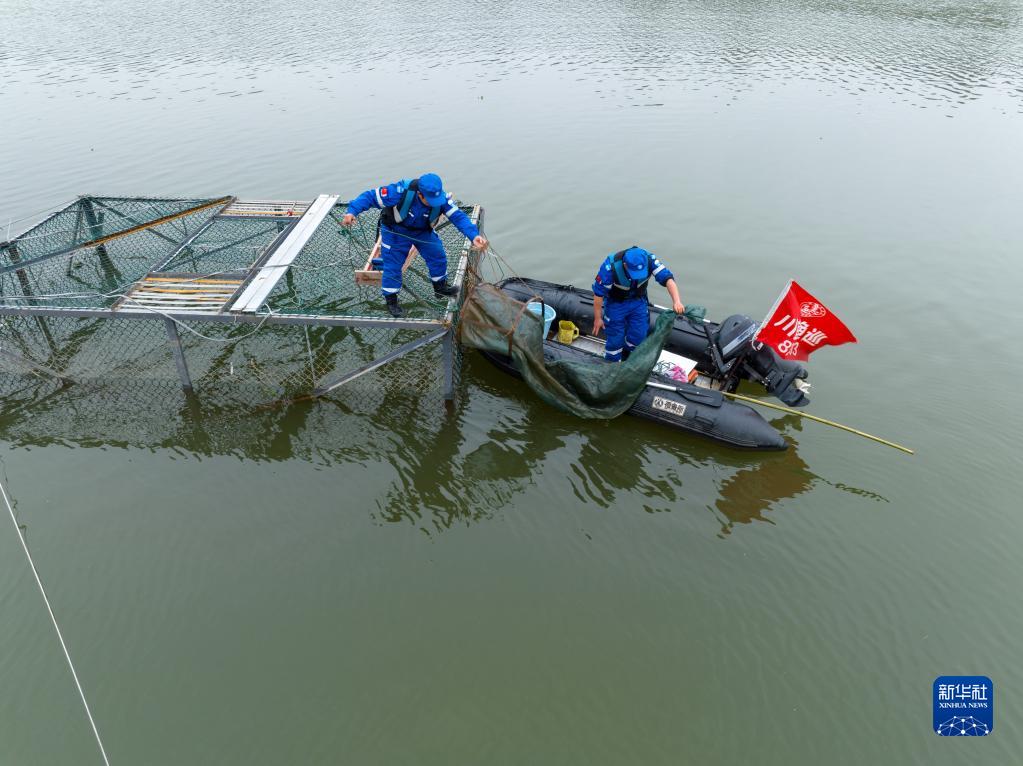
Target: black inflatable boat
<point>724,354</point>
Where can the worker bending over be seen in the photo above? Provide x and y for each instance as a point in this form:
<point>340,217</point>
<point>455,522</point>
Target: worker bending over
<point>620,304</point>
<point>411,211</point>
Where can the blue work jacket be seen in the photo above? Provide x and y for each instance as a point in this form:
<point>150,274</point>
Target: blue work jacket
<point>418,220</point>
<point>605,279</point>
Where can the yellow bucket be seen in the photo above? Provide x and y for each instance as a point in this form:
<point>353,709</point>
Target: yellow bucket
<point>567,332</point>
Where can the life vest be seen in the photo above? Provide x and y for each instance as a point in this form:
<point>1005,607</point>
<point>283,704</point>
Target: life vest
<point>624,286</point>
<point>393,216</point>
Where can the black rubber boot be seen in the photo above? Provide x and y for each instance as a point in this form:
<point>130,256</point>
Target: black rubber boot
<point>443,290</point>
<point>393,307</point>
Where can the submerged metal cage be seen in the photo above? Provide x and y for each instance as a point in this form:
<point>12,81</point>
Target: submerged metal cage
<point>246,301</point>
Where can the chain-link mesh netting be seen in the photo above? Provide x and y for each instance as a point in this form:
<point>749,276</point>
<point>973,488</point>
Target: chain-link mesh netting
<point>113,379</point>
<point>471,278</point>
<point>91,218</point>
<point>321,280</point>
<point>256,361</point>
<point>245,364</point>
<point>42,266</point>
<point>47,266</point>
<point>228,245</point>
<point>357,419</point>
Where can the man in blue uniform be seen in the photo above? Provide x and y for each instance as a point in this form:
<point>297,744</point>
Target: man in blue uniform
<point>411,212</point>
<point>625,316</point>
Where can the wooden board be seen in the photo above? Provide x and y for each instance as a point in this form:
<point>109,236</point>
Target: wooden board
<point>367,275</point>
<point>265,209</point>
<point>192,293</point>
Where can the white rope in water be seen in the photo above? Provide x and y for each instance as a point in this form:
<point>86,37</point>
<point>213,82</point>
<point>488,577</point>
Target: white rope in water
<point>60,635</point>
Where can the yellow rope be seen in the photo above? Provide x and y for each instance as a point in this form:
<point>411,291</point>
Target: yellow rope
<point>807,415</point>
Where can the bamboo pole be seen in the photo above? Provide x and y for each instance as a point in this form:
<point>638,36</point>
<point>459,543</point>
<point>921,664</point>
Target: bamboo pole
<point>806,415</point>
<point>98,241</point>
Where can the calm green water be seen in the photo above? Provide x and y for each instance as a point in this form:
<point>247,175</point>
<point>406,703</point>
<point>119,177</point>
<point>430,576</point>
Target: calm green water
<point>508,585</point>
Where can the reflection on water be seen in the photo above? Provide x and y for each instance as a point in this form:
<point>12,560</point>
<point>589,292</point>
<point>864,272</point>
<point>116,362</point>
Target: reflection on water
<point>748,493</point>
<point>449,470</point>
<point>460,474</point>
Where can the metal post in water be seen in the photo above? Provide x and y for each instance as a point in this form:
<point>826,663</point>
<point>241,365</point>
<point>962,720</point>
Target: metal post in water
<point>448,354</point>
<point>26,288</point>
<point>95,225</point>
<point>179,355</point>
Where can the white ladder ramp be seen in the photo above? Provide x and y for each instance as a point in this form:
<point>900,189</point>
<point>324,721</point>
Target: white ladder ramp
<point>259,289</point>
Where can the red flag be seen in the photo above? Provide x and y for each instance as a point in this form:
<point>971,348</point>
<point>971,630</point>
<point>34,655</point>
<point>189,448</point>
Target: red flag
<point>799,324</point>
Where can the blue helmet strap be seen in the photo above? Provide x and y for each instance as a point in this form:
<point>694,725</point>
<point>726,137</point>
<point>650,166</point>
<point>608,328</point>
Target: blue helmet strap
<point>411,187</point>
<point>619,268</point>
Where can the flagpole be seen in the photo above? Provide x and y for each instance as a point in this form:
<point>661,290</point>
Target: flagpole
<point>770,311</point>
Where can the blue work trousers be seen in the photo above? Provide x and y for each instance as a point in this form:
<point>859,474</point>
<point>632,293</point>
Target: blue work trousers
<point>626,324</point>
<point>394,249</point>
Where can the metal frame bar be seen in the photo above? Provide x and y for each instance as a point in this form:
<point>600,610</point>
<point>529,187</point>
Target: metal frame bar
<point>441,329</point>
<point>380,361</point>
<point>95,225</point>
<point>89,201</point>
<point>448,354</point>
<point>476,216</point>
<point>78,222</point>
<point>276,266</point>
<point>118,235</point>
<point>164,260</point>
<point>44,220</point>
<point>18,359</point>
<point>287,218</point>
<point>26,289</point>
<point>246,238</point>
<point>227,319</point>
<point>19,270</point>
<point>448,361</point>
<point>179,355</point>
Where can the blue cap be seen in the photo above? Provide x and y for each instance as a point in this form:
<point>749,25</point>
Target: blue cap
<point>432,189</point>
<point>637,263</point>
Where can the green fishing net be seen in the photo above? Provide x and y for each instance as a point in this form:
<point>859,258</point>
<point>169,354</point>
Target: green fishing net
<point>695,314</point>
<point>491,321</point>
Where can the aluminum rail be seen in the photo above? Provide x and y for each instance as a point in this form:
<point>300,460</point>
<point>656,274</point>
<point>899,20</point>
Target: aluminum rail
<point>311,320</point>
<point>348,377</point>
<point>259,289</point>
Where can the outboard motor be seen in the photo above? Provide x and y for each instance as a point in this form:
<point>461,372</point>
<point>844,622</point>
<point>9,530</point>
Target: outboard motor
<point>734,335</point>
<point>780,377</point>
<point>734,345</point>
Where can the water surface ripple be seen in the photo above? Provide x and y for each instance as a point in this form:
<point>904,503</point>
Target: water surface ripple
<point>375,580</point>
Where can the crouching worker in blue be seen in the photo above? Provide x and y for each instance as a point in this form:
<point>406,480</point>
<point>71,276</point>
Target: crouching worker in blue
<point>411,212</point>
<point>620,304</point>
